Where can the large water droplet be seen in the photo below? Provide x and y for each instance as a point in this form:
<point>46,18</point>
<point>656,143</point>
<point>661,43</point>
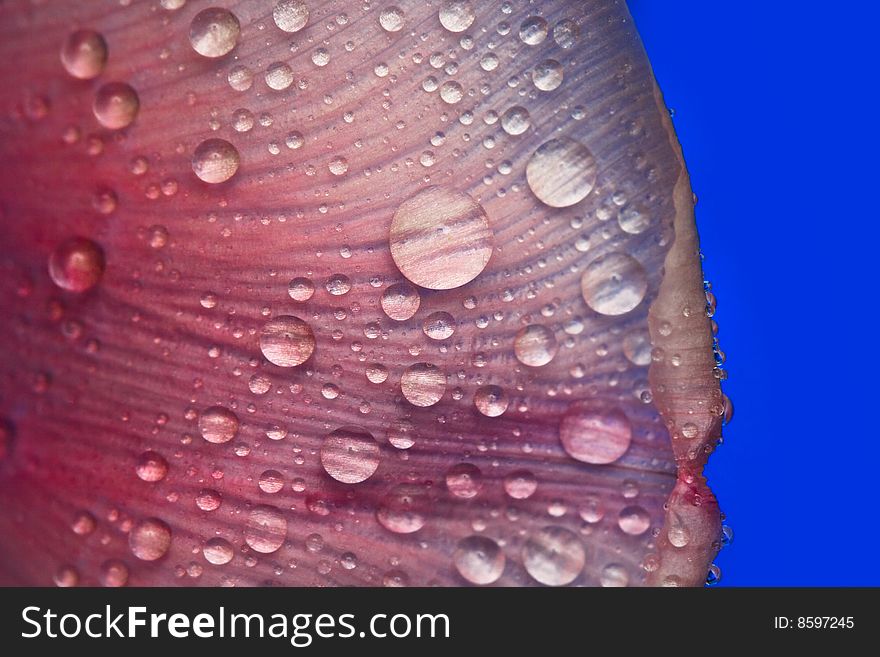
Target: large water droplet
<point>613,575</point>
<point>215,161</point>
<point>214,31</point>
<point>301,289</point>
<point>439,325</point>
<point>287,341</point>
<point>76,265</point>
<point>535,345</point>
<point>554,556</point>
<point>614,284</point>
<point>391,19</point>
<point>114,573</point>
<point>218,424</point>
<point>637,347</point>
<point>404,509</point>
<point>266,529</point>
<point>464,480</point>
<point>440,238</point>
<point>595,437</point>
<point>547,75</point>
<point>561,172</point>
<point>423,384</point>
<point>151,466</point>
<point>291,15</point>
<point>520,484</point>
<point>515,120</point>
<point>400,301</point>
<point>208,499</point>
<point>116,105</point>
<point>533,30</point>
<point>633,520</point>
<point>350,454</point>
<point>84,54</point>
<point>479,559</point>
<point>218,551</point>
<point>456,15</point>
<point>149,539</point>
<point>491,401</point>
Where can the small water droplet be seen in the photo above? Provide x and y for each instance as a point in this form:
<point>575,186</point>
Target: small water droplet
<point>423,384</point>
<point>614,284</point>
<point>456,15</point>
<point>479,559</point>
<point>218,551</point>
<point>214,31</point>
<point>491,401</point>
<point>291,15</point>
<point>535,345</point>
<point>114,573</point>
<point>593,436</point>
<point>561,172</point>
<point>84,54</point>
<point>208,499</point>
<point>400,301</point>
<point>266,529</point>
<point>151,466</point>
<point>149,539</point>
<point>554,556</point>
<point>391,19</point>
<point>633,520</point>
<point>215,161</point>
<point>439,325</point>
<point>218,424</point>
<point>287,341</point>
<point>77,264</point>
<point>116,105</point>
<point>520,485</point>
<point>403,510</point>
<point>464,480</point>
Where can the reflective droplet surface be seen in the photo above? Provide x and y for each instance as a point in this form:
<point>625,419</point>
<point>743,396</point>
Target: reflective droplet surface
<point>350,454</point>
<point>291,15</point>
<point>637,347</point>
<point>479,559</point>
<point>554,556</point>
<point>215,161</point>
<point>633,520</point>
<point>515,120</point>
<point>547,75</point>
<point>218,424</point>
<point>214,31</point>
<point>491,401</point>
<point>301,289</point>
<point>391,19</point>
<point>151,466</point>
<point>440,238</point>
<point>404,508</point>
<point>423,384</point>
<point>614,284</point>
<point>561,172</point>
<point>613,575</point>
<point>114,573</point>
<point>218,551</point>
<point>595,437</point>
<point>149,539</point>
<point>116,105</point>
<point>464,480</point>
<point>76,265</point>
<point>535,345</point>
<point>439,325</point>
<point>208,499</point>
<point>265,529</point>
<point>271,481</point>
<point>84,54</point>
<point>400,301</point>
<point>287,341</point>
<point>533,30</point>
<point>456,15</point>
<point>520,485</point>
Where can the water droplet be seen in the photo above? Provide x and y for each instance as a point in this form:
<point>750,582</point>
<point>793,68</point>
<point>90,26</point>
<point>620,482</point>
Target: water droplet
<point>350,455</point>
<point>423,384</point>
<point>614,575</point>
<point>439,325</point>
<point>533,30</point>
<point>208,499</point>
<point>633,520</point>
<point>214,31</point>
<point>637,347</point>
<point>595,437</point>
<point>338,166</point>
<point>266,529</point>
<point>84,54</point>
<point>403,509</point>
<point>451,92</point>
<point>151,466</point>
<point>76,265</point>
<point>287,341</point>
<point>301,289</point>
<point>561,172</point>
<point>376,373</point>
<point>215,161</point>
<point>689,430</point>
<point>338,284</point>
<point>554,556</point>
<point>456,15</point>
<point>291,15</point>
<point>402,434</point>
<point>279,76</point>
<point>240,78</point>
<point>218,551</point>
<point>400,301</point>
<point>440,239</point>
<point>491,401</point>
<point>391,19</point>
<point>66,576</point>
<point>520,484</point>
<point>149,539</point>
<point>83,524</point>
<point>547,75</point>
<point>114,573</point>
<point>479,559</point>
<point>464,480</point>
<point>116,105</point>
<point>614,284</point>
<point>565,32</point>
<point>271,481</point>
<point>535,345</point>
<point>218,424</point>
<point>515,120</point>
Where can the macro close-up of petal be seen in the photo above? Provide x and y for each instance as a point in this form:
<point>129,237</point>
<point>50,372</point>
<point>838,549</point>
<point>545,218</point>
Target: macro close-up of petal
<point>337,293</point>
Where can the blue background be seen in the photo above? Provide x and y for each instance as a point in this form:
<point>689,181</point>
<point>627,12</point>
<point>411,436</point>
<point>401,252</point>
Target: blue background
<point>777,111</point>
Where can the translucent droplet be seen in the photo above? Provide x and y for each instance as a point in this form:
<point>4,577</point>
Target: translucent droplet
<point>149,539</point>
<point>400,301</point>
<point>218,551</point>
<point>479,559</point>
<point>391,19</point>
<point>338,284</point>
<point>594,436</point>
<point>291,15</point>
<point>520,484</point>
<point>240,77</point>
<point>515,120</point>
<point>84,54</point>
<point>439,325</point>
<point>535,345</point>
<point>565,32</point>
<point>561,172</point>
<point>116,105</point>
<point>633,520</point>
<point>266,529</point>
<point>423,384</point>
<point>376,373</point>
<point>338,166</point>
<point>350,454</point>
<point>218,424</point>
<point>456,15</point>
<point>464,480</point>
<point>151,466</point>
<point>271,481</point>
<point>402,434</point>
<point>279,76</point>
<point>451,92</point>
<point>533,30</point>
<point>554,556</point>
<point>66,576</point>
<point>637,347</point>
<point>614,284</point>
<point>404,509</point>
<point>83,524</point>
<point>491,401</point>
<point>76,265</point>
<point>215,161</point>
<point>440,239</point>
<point>287,341</point>
<point>208,499</point>
<point>547,75</point>
<point>301,289</point>
<point>614,575</point>
<point>114,573</point>
<point>214,31</point>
